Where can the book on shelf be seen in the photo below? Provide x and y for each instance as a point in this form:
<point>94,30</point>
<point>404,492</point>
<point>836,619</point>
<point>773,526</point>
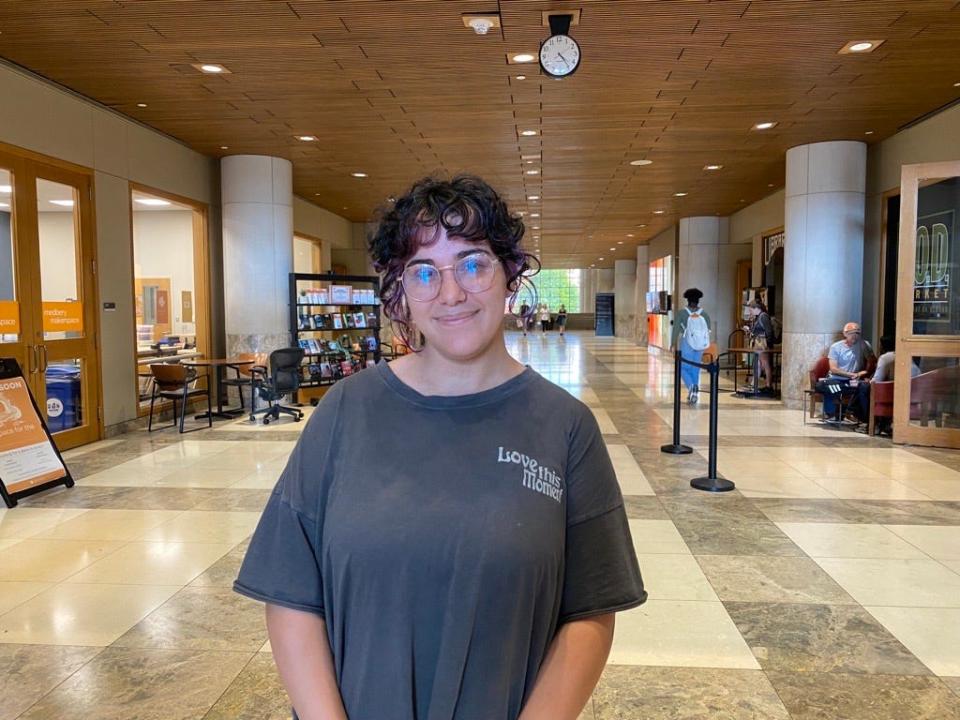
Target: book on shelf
<point>346,367</point>
<point>337,321</point>
<point>359,320</point>
<point>347,320</point>
<point>372,319</point>
<point>326,371</point>
<point>341,294</point>
<point>315,346</point>
<point>304,344</point>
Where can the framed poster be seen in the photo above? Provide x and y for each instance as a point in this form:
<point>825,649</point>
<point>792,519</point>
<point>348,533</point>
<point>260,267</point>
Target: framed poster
<point>29,459</point>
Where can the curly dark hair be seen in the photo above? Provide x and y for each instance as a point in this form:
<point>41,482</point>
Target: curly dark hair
<point>467,208</point>
<point>693,296</point>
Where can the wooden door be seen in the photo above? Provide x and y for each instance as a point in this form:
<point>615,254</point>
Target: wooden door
<point>927,387</point>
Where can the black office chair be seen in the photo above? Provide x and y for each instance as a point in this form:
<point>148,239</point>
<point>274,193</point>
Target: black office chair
<point>283,380</point>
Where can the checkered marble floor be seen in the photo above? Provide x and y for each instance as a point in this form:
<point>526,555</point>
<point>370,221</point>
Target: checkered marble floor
<point>826,586</point>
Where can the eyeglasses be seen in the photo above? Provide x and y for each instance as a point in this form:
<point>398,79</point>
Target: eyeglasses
<point>474,273</point>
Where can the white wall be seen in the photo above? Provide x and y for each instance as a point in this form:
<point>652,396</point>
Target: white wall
<point>749,225</point>
<point>49,120</point>
<point>663,244</point>
<point>334,231</point>
<point>303,255</point>
<point>163,248</point>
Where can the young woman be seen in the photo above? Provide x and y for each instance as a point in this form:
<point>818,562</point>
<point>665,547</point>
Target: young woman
<point>544,318</point>
<point>448,540</point>
<point>562,318</point>
<point>689,374</point>
<point>761,337</point>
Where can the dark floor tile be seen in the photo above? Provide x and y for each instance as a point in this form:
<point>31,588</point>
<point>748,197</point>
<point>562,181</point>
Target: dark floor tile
<point>28,672</point>
<point>908,512</point>
<point>810,510</point>
<point>223,572</point>
<point>138,684</point>
<point>953,683</point>
<point>236,499</point>
<point>256,694</point>
<point>832,696</point>
<point>644,507</point>
<point>821,638</point>
<point>746,538</point>
<point>771,579</point>
<point>655,693</point>
<point>697,505</point>
<point>201,618</point>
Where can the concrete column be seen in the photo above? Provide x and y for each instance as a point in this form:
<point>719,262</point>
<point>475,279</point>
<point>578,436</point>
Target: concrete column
<point>640,294</point>
<point>823,253</point>
<point>699,265</point>
<point>605,280</point>
<point>257,201</point>
<point>624,301</point>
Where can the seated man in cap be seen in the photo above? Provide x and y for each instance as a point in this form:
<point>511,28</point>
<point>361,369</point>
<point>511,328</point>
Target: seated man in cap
<point>848,365</point>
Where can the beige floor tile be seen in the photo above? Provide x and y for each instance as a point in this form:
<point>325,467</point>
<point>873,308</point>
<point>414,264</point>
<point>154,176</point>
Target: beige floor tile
<point>204,477</point>
<point>835,540</point>
<point>109,525</point>
<point>771,487</point>
<point>14,593</point>
<point>657,537</point>
<point>629,475</point>
<point>8,542</point>
<point>19,523</point>
<point>603,420</point>
<point>935,486</point>
<point>153,563</point>
<point>939,542</point>
<point>49,560</point>
<point>828,468</point>
<point>675,633</point>
<point>953,565</point>
<point>900,583</point>
<point>868,489</point>
<point>675,577</point>
<point>206,527</point>
<point>70,614</point>
<point>932,634</point>
<point>258,480</point>
<point>126,476</point>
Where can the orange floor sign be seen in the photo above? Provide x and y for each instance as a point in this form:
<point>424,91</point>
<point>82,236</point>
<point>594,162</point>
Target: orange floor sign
<point>28,458</point>
<point>62,317</point>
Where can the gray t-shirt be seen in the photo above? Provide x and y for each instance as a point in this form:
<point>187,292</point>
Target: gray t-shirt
<point>444,540</point>
<point>849,359</point>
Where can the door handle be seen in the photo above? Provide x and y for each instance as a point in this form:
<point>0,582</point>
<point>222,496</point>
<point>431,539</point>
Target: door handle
<point>33,359</point>
<point>43,351</point>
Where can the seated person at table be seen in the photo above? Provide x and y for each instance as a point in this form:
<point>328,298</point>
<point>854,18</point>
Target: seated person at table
<point>883,373</point>
<point>848,362</point>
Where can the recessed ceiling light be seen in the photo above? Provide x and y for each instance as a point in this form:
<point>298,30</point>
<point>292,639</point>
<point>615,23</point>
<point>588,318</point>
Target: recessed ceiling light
<point>528,133</point>
<point>766,125</point>
<point>869,132</point>
<point>957,84</point>
<point>359,174</point>
<point>211,68</point>
<point>533,172</point>
<point>679,194</point>
<point>534,214</point>
<point>658,212</point>
<point>641,162</point>
<point>152,202</point>
<point>712,167</point>
<point>521,77</point>
<point>613,249</point>
<point>6,188</point>
<point>306,138</point>
<point>345,207</point>
<point>141,104</point>
<point>533,197</point>
<point>600,259</point>
<point>619,242</point>
<point>769,184</point>
<point>642,225</point>
<point>530,157</point>
<point>224,147</point>
<point>523,57</point>
<point>629,234</point>
<point>859,46</point>
<point>62,203</point>
<point>521,212</point>
<point>536,227</point>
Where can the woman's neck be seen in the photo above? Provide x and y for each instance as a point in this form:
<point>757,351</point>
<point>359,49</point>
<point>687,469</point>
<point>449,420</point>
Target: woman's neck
<point>429,372</point>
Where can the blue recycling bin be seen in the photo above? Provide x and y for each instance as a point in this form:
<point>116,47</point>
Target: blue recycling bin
<point>63,397</point>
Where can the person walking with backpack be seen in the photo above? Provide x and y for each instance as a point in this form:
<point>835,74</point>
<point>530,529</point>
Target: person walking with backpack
<point>691,336</point>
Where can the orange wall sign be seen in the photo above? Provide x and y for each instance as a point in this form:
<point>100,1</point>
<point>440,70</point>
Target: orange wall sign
<point>63,317</point>
<point>9,317</point>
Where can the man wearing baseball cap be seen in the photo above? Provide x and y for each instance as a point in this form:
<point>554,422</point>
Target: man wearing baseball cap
<point>848,362</point>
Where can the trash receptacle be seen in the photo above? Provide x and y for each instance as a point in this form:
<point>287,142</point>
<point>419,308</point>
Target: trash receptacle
<point>63,397</point>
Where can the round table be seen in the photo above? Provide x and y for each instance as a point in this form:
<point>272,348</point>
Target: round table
<point>218,365</point>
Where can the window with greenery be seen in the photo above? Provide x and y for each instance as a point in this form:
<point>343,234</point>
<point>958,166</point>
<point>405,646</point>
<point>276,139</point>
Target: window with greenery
<point>559,287</point>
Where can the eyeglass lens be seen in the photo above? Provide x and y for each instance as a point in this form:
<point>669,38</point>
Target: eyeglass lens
<point>474,273</point>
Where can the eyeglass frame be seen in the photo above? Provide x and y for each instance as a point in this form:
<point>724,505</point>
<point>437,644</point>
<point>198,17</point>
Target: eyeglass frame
<point>491,256</point>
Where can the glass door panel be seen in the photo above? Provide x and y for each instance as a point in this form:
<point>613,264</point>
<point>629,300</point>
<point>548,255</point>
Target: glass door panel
<point>927,379</point>
<point>10,330</point>
<point>58,232</point>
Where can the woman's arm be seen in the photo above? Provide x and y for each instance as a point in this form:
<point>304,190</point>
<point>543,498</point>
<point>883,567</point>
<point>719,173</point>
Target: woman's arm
<point>570,671</point>
<point>302,653</point>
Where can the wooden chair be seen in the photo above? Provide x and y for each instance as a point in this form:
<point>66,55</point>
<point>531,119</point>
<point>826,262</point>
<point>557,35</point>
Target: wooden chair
<point>244,375</point>
<point>172,382</point>
<point>820,369</point>
<point>881,403</point>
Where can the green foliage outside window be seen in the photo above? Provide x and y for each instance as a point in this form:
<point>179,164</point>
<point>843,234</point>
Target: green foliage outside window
<point>559,287</point>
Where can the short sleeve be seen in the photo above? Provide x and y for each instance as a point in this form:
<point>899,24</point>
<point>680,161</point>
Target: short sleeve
<point>601,574</point>
<point>282,564</point>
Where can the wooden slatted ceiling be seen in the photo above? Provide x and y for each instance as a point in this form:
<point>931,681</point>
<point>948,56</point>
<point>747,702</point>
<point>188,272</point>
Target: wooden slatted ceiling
<point>400,88</point>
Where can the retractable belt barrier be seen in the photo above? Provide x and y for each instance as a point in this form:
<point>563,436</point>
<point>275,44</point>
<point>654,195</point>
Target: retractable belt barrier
<point>710,483</point>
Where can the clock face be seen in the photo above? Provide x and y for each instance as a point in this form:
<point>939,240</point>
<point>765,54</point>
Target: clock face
<point>559,55</point>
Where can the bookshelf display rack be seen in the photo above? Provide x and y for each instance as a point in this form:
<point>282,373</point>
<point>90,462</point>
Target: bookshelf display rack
<point>324,318</point>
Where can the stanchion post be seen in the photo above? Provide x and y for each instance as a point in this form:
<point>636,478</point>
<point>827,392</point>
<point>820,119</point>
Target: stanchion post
<point>675,448</point>
<point>712,483</point>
